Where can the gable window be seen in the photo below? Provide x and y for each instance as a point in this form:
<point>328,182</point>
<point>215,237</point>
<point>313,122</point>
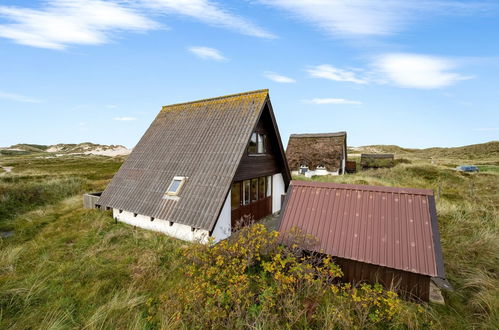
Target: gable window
<point>257,143</point>
<point>175,186</point>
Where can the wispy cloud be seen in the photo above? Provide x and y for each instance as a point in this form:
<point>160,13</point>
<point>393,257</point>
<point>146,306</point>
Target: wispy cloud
<point>418,71</point>
<point>371,18</point>
<point>207,53</point>
<point>486,129</point>
<point>56,24</point>
<point>208,12</point>
<point>278,78</point>
<point>398,69</point>
<point>125,118</point>
<point>111,106</point>
<point>18,98</point>
<point>331,101</point>
<point>64,22</point>
<point>330,72</point>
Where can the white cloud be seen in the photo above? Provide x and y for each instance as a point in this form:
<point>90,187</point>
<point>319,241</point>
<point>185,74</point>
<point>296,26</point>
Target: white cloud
<point>278,78</point>
<point>331,101</point>
<point>370,17</point>
<point>17,98</point>
<point>330,72</point>
<point>207,53</point>
<point>418,71</point>
<point>208,12</point>
<point>125,118</point>
<point>64,22</point>
<point>60,23</point>
<point>398,69</point>
<point>111,106</point>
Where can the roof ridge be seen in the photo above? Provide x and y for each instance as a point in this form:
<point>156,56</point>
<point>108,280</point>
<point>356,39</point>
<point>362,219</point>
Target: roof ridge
<point>340,133</point>
<point>217,98</point>
<point>349,186</point>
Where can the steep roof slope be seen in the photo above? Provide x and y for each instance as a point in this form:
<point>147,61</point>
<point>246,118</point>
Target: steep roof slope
<point>316,149</point>
<point>385,226</point>
<point>202,140</point>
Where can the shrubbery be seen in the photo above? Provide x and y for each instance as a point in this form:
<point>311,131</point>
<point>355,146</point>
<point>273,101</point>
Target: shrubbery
<point>252,280</point>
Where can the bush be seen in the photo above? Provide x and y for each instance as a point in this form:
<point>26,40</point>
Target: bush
<point>252,280</point>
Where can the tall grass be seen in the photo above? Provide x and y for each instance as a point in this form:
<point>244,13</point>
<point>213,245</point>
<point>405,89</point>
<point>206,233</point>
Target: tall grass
<point>66,267</point>
<point>17,197</point>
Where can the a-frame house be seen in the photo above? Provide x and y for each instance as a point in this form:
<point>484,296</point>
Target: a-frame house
<point>201,167</point>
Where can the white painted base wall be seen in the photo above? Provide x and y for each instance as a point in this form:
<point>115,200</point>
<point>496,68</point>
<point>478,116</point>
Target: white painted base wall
<point>278,189</point>
<point>312,173</point>
<point>176,230</point>
<point>223,227</point>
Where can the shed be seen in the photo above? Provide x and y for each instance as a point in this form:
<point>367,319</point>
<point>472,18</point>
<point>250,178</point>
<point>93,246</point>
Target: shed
<point>201,167</point>
<point>376,234</point>
<point>317,154</point>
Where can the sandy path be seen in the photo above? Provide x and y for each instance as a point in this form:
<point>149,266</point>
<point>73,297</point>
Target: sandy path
<point>7,168</point>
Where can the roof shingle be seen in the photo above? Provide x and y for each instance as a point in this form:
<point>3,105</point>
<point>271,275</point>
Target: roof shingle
<point>203,141</point>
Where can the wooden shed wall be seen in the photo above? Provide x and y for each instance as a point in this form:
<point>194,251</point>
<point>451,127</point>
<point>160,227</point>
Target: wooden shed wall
<point>90,201</point>
<point>407,284</point>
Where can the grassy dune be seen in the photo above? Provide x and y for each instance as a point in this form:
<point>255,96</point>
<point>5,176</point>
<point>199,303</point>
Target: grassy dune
<point>66,267</point>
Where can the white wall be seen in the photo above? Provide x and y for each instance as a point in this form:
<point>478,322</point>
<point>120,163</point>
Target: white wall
<point>176,230</point>
<point>277,190</point>
<point>223,227</point>
<point>312,173</point>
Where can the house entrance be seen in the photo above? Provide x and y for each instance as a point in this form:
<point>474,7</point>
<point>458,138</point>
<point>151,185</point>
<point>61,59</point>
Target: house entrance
<point>251,200</point>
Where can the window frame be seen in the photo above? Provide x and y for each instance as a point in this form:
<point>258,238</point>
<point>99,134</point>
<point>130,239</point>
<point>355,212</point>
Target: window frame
<point>260,136</point>
<point>179,188</point>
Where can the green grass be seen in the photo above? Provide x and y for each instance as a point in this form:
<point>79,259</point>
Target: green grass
<point>66,267</point>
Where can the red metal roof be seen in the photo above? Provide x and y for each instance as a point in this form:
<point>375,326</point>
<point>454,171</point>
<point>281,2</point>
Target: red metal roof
<point>386,226</point>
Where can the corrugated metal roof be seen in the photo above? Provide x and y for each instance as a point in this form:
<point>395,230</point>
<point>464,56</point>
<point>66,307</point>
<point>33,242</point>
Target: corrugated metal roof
<point>202,140</point>
<point>386,226</point>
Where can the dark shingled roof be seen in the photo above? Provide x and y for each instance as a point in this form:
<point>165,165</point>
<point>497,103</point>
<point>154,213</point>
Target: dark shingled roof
<point>325,149</point>
<point>385,226</point>
<point>202,140</point>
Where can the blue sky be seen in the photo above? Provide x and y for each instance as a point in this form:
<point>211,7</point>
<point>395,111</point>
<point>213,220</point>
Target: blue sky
<point>414,73</point>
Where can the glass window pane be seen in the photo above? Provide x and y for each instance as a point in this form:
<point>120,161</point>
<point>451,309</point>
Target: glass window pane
<point>252,144</point>
<point>269,186</point>
<point>254,190</point>
<point>174,186</point>
<point>235,195</point>
<point>246,191</point>
<point>261,187</point>
<point>261,143</point>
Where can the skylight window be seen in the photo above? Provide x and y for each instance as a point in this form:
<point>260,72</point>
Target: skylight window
<point>175,186</point>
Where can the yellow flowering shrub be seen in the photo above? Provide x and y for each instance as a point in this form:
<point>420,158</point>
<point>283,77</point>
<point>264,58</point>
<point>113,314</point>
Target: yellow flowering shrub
<point>253,280</point>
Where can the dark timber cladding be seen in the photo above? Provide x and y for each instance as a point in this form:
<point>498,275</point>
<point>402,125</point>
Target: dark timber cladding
<point>312,150</point>
<point>392,228</point>
<point>268,163</point>
<point>204,141</point>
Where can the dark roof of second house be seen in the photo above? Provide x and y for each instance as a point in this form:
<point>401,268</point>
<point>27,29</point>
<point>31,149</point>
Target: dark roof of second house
<point>203,141</point>
<point>385,226</point>
<point>312,150</point>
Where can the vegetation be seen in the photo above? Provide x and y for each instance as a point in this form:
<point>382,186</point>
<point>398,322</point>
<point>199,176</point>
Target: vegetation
<point>66,267</point>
